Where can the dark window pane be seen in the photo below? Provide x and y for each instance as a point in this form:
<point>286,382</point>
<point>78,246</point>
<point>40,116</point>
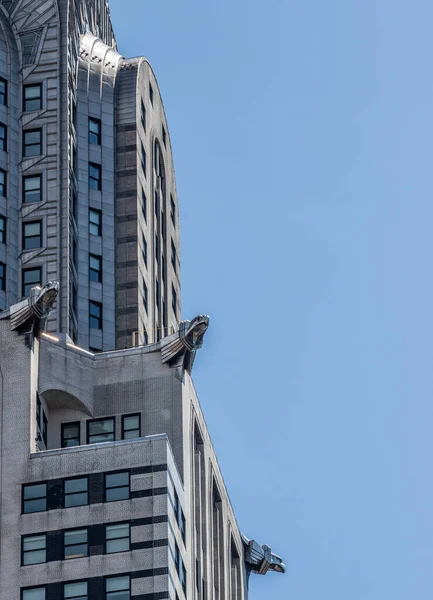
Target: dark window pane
<point>70,435</point>
<point>31,278</point>
<point>75,591</point>
<point>35,491</point>
<point>75,544</point>
<point>101,431</point>
<point>95,315</point>
<point>115,494</point>
<point>32,97</point>
<point>3,92</point>
<point>76,485</point>
<point>32,142</point>
<point>32,236</point>
<point>32,188</point>
<point>2,230</point>
<point>34,594</point>
<point>94,131</point>
<point>3,137</point>
<point>94,222</point>
<point>3,179</point>
<point>117,479</point>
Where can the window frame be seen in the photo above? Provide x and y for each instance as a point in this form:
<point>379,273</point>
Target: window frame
<point>90,421</point>
<point>66,583</point>
<point>3,223</point>
<point>106,592</point>
<point>25,100</point>
<point>75,530</point>
<point>34,587</point>
<point>100,322</point>
<point>65,493</point>
<point>97,271</point>
<point>24,552</point>
<point>134,429</point>
<point>26,178</point>
<point>114,487</point>
<point>98,135</point>
<point>4,94</point>
<point>4,139</point>
<point>27,131</point>
<point>26,237</point>
<point>107,540</point>
<point>4,183</point>
<point>69,424</point>
<point>99,225</point>
<point>3,277</point>
<point>33,284</point>
<point>23,499</point>
<point>98,180</point>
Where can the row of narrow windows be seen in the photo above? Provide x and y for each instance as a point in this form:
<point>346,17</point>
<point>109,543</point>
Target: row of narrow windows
<point>116,588</point>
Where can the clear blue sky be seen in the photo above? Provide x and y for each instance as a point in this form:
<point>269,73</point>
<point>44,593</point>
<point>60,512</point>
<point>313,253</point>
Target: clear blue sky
<point>303,141</point>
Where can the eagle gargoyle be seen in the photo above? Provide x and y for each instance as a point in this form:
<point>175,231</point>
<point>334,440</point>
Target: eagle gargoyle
<point>180,348</point>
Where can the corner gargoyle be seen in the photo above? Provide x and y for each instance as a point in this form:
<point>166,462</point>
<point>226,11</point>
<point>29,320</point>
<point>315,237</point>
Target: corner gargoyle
<point>180,348</point>
<point>260,559</point>
<point>30,315</point>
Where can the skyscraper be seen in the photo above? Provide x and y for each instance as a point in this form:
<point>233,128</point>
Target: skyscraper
<point>88,193</point>
<point>110,487</point>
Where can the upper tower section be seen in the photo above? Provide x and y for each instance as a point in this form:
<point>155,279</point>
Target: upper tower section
<point>87,188</point>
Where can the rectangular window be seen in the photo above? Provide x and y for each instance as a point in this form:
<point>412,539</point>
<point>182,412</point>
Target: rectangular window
<point>117,588</point>
<point>174,300</point>
<point>144,250</point>
<point>145,337</point>
<point>173,255</point>
<point>3,137</point>
<point>3,183</point>
<point>151,93</point>
<point>94,176</point>
<point>38,593</point>
<point>34,497</point>
<point>70,434</point>
<point>44,428</point>
<point>95,222</point>
<point>117,538</point>
<point>143,115</point>
<point>130,427</point>
<point>2,230</point>
<point>145,296</point>
<point>143,159</point>
<point>95,268</point>
<point>3,92</point>
<point>32,235</point>
<point>31,278</point>
<point>75,544</point>
<point>32,143</point>
<point>32,97</point>
<point>32,188</point>
<point>2,277</point>
<point>172,210</point>
<point>76,492</point>
<point>94,131</point>
<point>116,486</point>
<point>76,591</point>
<point>144,204</point>
<point>164,136</point>
<point>34,549</point>
<point>95,315</point>
<point>38,410</point>
<point>100,430</point>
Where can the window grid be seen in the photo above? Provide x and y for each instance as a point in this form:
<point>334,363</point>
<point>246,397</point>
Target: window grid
<point>31,278</point>
<point>32,188</point>
<point>95,222</point>
<point>32,97</point>
<point>117,538</point>
<point>3,92</point>
<point>75,544</point>
<point>94,176</point>
<point>100,430</point>
<point>118,588</point>
<point>34,549</point>
<point>32,235</point>
<point>131,426</point>
<point>3,183</point>
<point>34,498</point>
<point>2,230</point>
<point>76,492</point>
<point>32,142</point>
<point>95,315</point>
<point>94,131</point>
<point>3,137</point>
<point>2,277</point>
<point>70,434</point>
<point>95,268</point>
<point>117,486</point>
